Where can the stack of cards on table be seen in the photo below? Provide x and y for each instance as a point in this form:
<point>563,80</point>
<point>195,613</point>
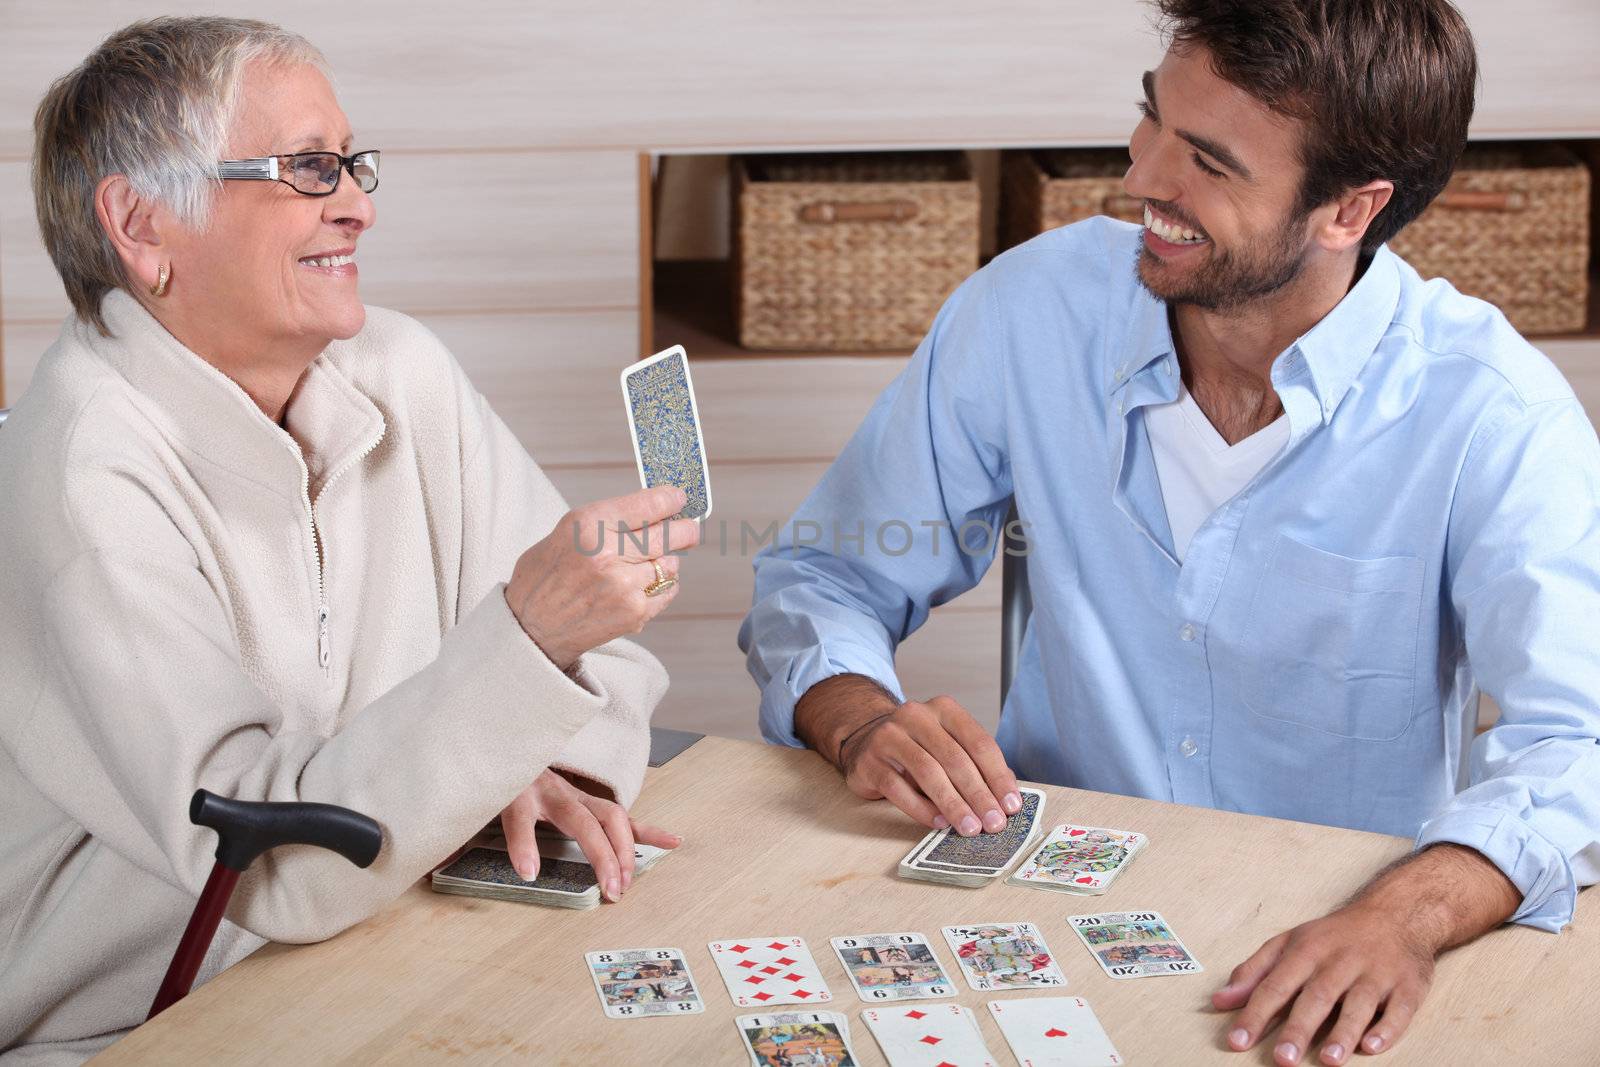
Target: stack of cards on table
<point>762,972</point>
<point>947,858</point>
<point>925,1035</point>
<point>798,1039</point>
<point>1134,944</point>
<point>566,880</point>
<point>1079,859</point>
<point>1054,1032</point>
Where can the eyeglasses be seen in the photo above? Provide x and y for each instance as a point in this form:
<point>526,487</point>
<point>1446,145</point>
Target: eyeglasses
<point>311,173</point>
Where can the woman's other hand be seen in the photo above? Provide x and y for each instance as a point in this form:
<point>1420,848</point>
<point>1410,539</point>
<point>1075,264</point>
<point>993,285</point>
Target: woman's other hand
<point>584,584</point>
<point>601,827</point>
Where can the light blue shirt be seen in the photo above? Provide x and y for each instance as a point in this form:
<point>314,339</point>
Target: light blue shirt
<point>1432,527</point>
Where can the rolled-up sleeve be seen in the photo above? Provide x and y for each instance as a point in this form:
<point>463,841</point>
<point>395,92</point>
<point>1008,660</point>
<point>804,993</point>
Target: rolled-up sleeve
<point>1525,583</point>
<point>874,547</point>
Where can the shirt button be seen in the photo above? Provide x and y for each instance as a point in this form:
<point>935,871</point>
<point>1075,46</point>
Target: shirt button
<point>1122,407</point>
<point>1187,632</point>
<point>1166,365</point>
<point>1188,748</point>
<point>1122,372</point>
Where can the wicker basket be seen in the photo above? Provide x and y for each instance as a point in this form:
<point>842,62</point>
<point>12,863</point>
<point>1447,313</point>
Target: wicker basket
<point>1512,227</point>
<point>1042,189</point>
<point>849,252</point>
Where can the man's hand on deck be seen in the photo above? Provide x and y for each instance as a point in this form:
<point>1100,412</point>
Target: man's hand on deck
<point>929,759</point>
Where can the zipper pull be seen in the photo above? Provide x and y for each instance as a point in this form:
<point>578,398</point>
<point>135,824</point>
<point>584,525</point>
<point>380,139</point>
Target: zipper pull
<point>324,644</point>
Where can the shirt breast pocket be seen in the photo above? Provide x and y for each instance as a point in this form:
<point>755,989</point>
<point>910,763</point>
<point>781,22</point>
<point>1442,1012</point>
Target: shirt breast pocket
<point>1331,642</point>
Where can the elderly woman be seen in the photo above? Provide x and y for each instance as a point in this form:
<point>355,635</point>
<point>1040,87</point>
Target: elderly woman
<point>261,539</point>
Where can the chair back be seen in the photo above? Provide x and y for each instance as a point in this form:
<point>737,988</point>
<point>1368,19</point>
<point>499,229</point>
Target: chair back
<point>1016,601</point>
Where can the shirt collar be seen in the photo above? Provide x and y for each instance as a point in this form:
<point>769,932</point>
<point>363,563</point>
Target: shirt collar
<point>1334,351</point>
<point>1338,347</point>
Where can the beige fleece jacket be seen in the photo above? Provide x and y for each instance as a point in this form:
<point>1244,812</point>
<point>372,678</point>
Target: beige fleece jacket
<point>160,598</point>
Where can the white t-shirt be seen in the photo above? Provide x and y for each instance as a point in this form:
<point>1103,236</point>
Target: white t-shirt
<point>1200,471</point>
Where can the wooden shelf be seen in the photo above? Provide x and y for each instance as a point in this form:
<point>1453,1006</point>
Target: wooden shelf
<point>693,307</point>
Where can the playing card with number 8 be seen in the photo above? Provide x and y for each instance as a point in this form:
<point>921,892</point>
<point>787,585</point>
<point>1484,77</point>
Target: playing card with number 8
<point>641,982</point>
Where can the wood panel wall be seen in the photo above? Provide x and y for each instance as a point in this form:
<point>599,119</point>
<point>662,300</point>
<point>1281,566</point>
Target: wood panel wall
<point>509,217</point>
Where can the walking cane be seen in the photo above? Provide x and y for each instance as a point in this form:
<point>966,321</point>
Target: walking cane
<point>245,829</point>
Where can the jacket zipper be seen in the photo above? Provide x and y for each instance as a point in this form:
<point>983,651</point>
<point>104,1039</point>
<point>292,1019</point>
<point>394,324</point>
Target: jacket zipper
<point>324,634</point>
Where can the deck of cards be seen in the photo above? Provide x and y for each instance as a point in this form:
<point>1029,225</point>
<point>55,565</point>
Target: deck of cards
<point>1079,859</point>
<point>946,858</point>
<point>798,1039</point>
<point>566,880</point>
<point>923,1035</point>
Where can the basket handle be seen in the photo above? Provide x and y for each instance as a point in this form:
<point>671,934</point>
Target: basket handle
<point>839,211</point>
<point>1122,204</point>
<point>1472,200</point>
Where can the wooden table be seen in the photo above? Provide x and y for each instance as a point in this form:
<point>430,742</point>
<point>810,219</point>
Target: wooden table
<point>775,845</point>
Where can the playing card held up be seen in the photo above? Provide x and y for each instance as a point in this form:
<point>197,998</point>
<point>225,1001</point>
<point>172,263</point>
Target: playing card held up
<point>665,424</point>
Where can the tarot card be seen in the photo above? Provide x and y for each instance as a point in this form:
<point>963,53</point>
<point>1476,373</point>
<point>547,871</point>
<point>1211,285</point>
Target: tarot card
<point>986,853</point>
<point>888,967</point>
<point>764,971</point>
<point>791,1039</point>
<point>1001,956</point>
<point>641,982</point>
<point>928,1035</point>
<point>1054,1032</point>
<point>665,425</point>
<point>1134,944</point>
<point>1079,859</point>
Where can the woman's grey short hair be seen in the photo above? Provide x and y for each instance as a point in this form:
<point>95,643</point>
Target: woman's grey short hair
<point>154,102</point>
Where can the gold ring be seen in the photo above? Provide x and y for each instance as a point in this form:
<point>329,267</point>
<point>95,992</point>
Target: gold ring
<point>662,582</point>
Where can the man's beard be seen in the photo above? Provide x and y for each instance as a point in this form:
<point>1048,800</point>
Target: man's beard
<point>1228,280</point>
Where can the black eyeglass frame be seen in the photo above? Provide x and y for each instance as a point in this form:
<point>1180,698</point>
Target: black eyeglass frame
<point>269,169</point>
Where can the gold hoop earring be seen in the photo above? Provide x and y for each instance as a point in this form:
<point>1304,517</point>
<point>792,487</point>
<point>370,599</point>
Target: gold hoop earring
<point>160,287</point>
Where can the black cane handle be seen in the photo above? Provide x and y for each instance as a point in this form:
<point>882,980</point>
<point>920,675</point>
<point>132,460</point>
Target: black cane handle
<point>247,828</point>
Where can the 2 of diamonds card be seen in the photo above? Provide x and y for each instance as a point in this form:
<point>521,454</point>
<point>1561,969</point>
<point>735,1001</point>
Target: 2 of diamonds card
<point>763,971</point>
<point>641,982</point>
<point>1134,944</point>
<point>789,1039</point>
<point>1002,956</point>
<point>665,423</point>
<point>887,967</point>
<point>1054,1032</point>
<point>928,1035</point>
<point>1079,859</point>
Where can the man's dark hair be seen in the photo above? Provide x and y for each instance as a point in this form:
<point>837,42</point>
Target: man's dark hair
<point>1384,88</point>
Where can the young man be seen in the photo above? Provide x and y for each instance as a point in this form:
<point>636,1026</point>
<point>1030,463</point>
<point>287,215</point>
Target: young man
<point>1289,508</point>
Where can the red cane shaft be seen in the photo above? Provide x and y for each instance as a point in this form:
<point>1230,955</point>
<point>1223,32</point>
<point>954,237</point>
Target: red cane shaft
<point>196,939</point>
